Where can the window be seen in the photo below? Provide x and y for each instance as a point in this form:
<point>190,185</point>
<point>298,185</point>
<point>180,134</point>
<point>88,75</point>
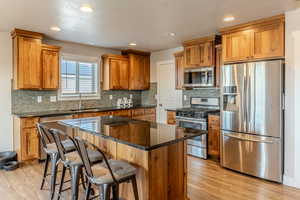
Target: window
<point>79,78</point>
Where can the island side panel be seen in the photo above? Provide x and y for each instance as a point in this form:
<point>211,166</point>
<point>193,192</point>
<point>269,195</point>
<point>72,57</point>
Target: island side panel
<point>168,172</point>
<point>140,159</point>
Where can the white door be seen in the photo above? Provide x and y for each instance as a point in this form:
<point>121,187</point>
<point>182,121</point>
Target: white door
<point>167,95</point>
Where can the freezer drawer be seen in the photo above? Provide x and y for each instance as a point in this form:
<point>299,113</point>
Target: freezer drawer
<point>254,155</point>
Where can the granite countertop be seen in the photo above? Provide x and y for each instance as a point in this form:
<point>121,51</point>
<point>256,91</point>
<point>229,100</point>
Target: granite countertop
<point>136,133</point>
<point>70,112</point>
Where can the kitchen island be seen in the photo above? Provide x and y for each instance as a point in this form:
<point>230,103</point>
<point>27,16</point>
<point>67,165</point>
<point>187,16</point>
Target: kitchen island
<point>157,150</point>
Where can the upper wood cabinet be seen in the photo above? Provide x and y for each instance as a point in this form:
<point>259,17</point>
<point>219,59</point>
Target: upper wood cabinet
<point>237,46</point>
<point>35,65</point>
<point>27,48</point>
<point>50,67</point>
<point>179,69</point>
<point>139,69</point>
<point>200,52</point>
<point>115,72</point>
<point>257,40</point>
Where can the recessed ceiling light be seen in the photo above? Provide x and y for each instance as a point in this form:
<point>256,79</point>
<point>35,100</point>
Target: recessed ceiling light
<point>171,34</point>
<point>55,28</point>
<point>86,8</point>
<point>229,19</point>
<point>132,44</point>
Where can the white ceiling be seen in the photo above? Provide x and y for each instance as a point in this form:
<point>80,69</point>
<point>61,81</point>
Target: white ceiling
<point>115,23</point>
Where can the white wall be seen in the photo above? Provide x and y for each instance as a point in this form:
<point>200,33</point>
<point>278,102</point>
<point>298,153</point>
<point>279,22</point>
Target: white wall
<point>159,56</point>
<point>5,88</point>
<point>292,121</point>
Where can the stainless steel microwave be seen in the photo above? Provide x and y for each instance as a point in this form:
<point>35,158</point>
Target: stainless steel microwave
<point>199,77</point>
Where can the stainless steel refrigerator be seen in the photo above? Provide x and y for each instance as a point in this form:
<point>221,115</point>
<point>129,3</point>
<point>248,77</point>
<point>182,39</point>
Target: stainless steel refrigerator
<point>252,111</point>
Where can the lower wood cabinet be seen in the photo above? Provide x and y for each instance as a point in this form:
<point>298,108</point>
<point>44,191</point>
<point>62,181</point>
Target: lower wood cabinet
<point>92,114</point>
<point>171,117</point>
<point>214,136</point>
<point>26,138</point>
<point>121,113</point>
<point>147,114</point>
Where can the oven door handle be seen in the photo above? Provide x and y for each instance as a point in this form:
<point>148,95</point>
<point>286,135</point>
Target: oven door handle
<point>191,121</point>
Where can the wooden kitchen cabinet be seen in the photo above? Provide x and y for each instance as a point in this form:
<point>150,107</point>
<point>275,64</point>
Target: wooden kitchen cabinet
<point>91,114</point>
<point>27,48</point>
<point>26,138</point>
<point>146,114</point>
<point>115,72</point>
<point>179,69</point>
<point>237,46</point>
<point>268,41</point>
<point>121,113</point>
<point>35,65</point>
<point>171,117</point>
<point>214,136</point>
<point>50,67</point>
<point>257,40</point>
<point>139,69</point>
<point>200,52</point>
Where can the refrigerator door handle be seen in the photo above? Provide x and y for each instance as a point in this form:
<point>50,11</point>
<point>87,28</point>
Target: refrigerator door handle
<point>245,137</point>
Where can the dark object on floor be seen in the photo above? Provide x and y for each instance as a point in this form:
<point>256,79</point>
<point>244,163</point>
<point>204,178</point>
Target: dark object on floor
<point>6,157</point>
<point>11,165</point>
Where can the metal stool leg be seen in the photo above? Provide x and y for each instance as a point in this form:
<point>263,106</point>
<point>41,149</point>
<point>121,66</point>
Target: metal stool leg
<point>105,192</point>
<point>115,192</point>
<point>88,191</point>
<point>45,171</point>
<point>62,180</point>
<point>75,171</point>
<point>135,188</point>
<point>54,159</point>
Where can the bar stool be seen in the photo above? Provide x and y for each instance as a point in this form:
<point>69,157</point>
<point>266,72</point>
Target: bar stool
<point>72,162</point>
<point>106,175</point>
<point>52,155</point>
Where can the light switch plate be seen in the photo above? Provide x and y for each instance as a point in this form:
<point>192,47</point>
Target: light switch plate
<point>53,99</point>
<point>39,99</point>
<point>110,97</point>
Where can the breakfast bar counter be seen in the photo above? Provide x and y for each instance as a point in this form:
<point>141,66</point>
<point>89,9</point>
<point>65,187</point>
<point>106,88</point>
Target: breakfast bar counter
<point>157,150</point>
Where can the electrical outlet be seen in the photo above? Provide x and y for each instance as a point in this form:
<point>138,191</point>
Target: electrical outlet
<point>184,97</point>
<point>110,97</point>
<point>53,99</point>
<point>39,99</point>
<point>131,96</point>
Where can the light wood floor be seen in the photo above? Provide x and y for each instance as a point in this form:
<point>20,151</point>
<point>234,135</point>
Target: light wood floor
<point>206,181</point>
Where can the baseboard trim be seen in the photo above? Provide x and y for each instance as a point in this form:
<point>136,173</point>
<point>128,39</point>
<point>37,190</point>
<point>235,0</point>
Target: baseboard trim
<point>290,181</point>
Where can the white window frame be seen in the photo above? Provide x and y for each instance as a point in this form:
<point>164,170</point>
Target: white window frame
<point>77,58</point>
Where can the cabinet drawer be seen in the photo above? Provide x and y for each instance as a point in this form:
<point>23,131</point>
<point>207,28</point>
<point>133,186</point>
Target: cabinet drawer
<point>138,112</point>
<point>29,122</point>
<point>150,111</point>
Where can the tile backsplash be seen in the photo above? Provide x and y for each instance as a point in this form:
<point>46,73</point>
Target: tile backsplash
<point>203,92</point>
<point>26,100</point>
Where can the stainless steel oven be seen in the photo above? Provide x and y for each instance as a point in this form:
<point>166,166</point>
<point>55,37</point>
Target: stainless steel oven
<point>198,145</point>
<point>199,77</point>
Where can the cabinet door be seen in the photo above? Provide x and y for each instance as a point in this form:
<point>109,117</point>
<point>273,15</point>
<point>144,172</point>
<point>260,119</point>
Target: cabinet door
<point>268,41</point>
<point>29,63</point>
<point>139,73</point>
<point>50,66</point>
<point>192,55</point>
<point>118,74</point>
<point>237,46</point>
<point>208,58</point>
<point>179,79</point>
<point>171,117</point>
<point>214,136</point>
<point>30,144</point>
